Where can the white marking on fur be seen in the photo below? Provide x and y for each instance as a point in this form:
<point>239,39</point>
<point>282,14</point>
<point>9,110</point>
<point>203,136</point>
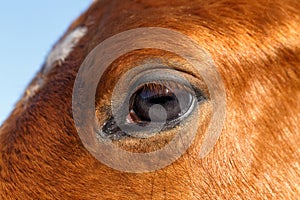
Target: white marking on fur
<point>58,55</point>
<point>32,89</point>
<point>62,50</point>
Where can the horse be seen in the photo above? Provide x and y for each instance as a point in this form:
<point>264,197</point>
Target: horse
<point>255,47</point>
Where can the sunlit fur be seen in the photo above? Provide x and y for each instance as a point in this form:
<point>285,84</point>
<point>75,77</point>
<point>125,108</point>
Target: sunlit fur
<point>256,47</point>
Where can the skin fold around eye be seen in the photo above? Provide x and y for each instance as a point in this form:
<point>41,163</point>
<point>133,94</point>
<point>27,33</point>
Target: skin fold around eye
<point>166,69</point>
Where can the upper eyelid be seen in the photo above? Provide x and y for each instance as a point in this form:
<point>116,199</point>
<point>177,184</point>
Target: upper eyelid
<point>184,78</point>
<point>153,75</point>
<point>159,74</point>
<point>167,83</point>
<point>133,78</point>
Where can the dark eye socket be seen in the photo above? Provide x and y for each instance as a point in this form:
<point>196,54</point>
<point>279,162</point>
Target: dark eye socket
<point>174,100</point>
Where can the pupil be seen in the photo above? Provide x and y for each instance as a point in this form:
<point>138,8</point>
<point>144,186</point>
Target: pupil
<point>152,94</point>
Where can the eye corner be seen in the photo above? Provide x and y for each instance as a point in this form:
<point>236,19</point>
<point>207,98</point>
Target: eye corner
<point>200,95</point>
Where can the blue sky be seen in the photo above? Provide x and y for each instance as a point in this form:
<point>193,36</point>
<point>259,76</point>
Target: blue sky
<point>28,31</point>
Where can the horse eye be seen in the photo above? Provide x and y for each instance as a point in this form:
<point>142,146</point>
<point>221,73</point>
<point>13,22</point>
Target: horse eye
<point>174,102</point>
<point>160,103</point>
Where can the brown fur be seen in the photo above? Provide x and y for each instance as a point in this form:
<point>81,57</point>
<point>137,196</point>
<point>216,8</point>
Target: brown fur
<point>256,47</point>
